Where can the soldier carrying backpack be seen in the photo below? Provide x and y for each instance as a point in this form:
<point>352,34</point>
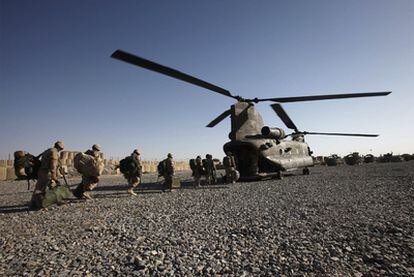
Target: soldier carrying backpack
<point>166,169</point>
<point>48,189</point>
<point>198,170</point>
<point>90,165</point>
<point>132,169</point>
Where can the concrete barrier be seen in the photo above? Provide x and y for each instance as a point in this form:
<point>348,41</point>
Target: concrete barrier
<point>3,173</point>
<point>11,175</point>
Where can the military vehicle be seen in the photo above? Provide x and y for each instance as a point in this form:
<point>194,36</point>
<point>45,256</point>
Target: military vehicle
<point>369,158</point>
<point>407,157</point>
<point>390,157</point>
<point>333,160</point>
<point>259,150</point>
<point>353,159</point>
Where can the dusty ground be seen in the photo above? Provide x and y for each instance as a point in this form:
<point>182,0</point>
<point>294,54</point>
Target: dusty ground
<point>347,220</point>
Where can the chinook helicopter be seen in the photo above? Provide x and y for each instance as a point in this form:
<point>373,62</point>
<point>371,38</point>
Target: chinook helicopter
<point>259,150</point>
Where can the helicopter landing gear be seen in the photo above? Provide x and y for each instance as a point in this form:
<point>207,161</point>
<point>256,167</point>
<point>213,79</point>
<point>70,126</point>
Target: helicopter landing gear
<point>279,175</point>
<point>306,171</point>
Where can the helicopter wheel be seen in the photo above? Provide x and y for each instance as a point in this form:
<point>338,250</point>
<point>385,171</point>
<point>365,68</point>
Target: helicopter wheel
<point>306,171</point>
<point>279,175</point>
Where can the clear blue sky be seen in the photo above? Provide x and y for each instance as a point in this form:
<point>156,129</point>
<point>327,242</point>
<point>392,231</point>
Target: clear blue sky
<point>58,82</point>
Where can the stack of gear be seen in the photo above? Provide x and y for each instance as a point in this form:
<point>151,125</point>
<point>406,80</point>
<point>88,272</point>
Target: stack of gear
<point>55,193</point>
<point>26,165</point>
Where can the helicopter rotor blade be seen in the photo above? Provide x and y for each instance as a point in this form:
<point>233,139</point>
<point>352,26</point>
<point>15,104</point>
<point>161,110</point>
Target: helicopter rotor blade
<point>219,118</point>
<point>324,97</point>
<point>284,116</point>
<point>138,61</point>
<point>337,134</point>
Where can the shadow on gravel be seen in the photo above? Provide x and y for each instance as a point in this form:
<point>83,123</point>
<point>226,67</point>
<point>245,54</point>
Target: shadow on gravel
<point>157,187</point>
<point>14,209</point>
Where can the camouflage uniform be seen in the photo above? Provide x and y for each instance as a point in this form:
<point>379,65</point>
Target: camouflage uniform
<point>198,171</point>
<point>169,172</point>
<point>134,179</point>
<point>48,172</point>
<point>88,183</point>
<point>230,167</point>
<point>210,169</point>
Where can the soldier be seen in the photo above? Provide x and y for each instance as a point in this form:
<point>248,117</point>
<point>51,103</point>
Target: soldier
<point>47,174</point>
<point>88,183</point>
<point>210,169</point>
<point>198,171</point>
<point>134,178</point>
<point>95,151</point>
<point>169,172</point>
<point>230,167</point>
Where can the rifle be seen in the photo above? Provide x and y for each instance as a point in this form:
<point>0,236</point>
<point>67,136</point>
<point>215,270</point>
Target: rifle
<point>62,172</point>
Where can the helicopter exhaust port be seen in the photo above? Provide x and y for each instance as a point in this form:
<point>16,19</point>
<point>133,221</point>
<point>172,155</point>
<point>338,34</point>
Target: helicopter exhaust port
<point>273,133</point>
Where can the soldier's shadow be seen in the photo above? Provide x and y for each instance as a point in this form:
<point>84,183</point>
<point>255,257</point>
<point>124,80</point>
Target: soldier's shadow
<point>14,209</point>
<point>153,187</point>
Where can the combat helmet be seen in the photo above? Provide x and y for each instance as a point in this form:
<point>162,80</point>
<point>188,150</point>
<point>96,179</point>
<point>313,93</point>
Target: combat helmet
<point>96,147</point>
<point>59,144</point>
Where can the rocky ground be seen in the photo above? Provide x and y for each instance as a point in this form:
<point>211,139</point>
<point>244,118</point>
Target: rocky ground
<point>346,220</point>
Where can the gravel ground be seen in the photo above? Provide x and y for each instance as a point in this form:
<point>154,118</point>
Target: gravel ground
<point>345,220</point>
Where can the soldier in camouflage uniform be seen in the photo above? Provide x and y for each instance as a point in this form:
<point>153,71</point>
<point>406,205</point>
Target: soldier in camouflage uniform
<point>198,171</point>
<point>230,167</point>
<point>84,189</point>
<point>134,179</point>
<point>169,172</point>
<point>210,169</point>
<point>47,174</point>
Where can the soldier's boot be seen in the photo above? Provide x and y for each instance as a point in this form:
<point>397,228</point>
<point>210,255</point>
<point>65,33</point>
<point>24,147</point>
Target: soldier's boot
<point>131,192</point>
<point>36,201</point>
<point>87,195</point>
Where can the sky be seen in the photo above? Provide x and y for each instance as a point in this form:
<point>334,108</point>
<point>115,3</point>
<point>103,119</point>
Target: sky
<point>58,82</point>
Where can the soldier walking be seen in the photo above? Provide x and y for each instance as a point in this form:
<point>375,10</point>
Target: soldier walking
<point>230,167</point>
<point>134,175</point>
<point>168,172</point>
<point>88,183</point>
<point>210,169</point>
<point>198,171</point>
<point>47,174</point>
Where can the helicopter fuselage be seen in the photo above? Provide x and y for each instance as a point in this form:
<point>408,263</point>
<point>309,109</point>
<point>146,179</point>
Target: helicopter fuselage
<point>257,155</point>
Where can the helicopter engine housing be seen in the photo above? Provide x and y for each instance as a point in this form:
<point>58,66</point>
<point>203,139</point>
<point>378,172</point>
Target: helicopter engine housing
<point>273,133</point>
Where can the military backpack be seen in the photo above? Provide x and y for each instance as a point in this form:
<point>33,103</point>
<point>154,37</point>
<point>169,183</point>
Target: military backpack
<point>128,165</point>
<point>162,168</point>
